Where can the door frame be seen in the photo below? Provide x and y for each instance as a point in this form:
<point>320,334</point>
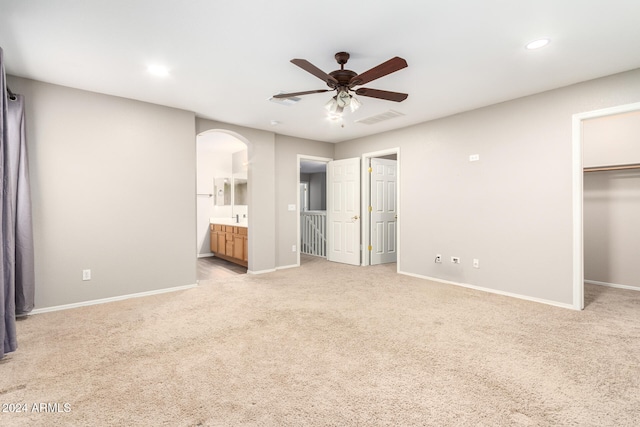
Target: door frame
<point>366,199</point>
<point>578,193</point>
<point>300,157</point>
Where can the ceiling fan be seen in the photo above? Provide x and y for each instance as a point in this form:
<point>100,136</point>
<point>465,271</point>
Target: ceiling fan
<point>344,81</point>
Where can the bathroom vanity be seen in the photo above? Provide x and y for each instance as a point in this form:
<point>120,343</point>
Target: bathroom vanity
<point>229,241</point>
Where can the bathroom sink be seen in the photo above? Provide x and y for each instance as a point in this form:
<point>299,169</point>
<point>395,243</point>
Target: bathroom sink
<point>229,221</point>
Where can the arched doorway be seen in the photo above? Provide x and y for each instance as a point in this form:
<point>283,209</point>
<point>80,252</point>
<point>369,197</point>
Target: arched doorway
<point>221,188</point>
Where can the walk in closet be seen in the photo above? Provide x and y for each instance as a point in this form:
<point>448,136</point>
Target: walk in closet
<point>612,200</point>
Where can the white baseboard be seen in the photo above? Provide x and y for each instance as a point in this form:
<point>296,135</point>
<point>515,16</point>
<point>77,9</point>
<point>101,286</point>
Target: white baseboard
<point>612,285</point>
<point>493,291</point>
<point>271,270</point>
<point>110,299</point>
<point>206,255</point>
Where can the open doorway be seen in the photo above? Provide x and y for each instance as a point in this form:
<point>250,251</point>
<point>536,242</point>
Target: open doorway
<point>221,198</point>
<point>578,136</point>
<point>383,230</point>
<point>611,190</point>
<point>312,207</point>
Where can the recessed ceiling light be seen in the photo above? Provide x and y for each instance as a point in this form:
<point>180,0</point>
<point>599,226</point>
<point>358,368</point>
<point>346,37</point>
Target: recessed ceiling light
<point>537,44</point>
<point>274,123</point>
<point>158,70</point>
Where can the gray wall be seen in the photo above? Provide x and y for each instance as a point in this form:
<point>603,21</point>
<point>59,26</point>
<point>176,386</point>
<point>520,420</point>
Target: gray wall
<point>318,191</point>
<point>287,151</point>
<point>113,191</point>
<point>612,227</point>
<point>512,210</point>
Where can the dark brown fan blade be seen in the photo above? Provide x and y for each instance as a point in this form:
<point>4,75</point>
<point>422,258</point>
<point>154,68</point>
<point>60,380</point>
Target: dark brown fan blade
<point>310,68</point>
<point>382,94</point>
<point>307,92</point>
<point>391,66</point>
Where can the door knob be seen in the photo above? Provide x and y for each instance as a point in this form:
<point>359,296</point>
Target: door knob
<point>355,218</point>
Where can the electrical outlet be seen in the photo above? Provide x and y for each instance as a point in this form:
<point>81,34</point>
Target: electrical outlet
<point>293,248</point>
<point>438,259</point>
<point>86,274</point>
<point>455,260</point>
<point>476,263</point>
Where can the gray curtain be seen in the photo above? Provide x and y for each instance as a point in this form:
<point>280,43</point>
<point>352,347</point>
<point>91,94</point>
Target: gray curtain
<point>16,251</point>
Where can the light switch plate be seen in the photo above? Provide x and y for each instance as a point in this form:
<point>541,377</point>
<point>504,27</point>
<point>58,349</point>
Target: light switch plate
<point>292,207</point>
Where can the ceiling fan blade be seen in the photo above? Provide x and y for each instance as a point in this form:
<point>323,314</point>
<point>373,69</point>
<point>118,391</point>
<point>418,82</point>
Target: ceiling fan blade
<point>388,67</point>
<point>307,92</point>
<point>310,68</point>
<point>382,94</point>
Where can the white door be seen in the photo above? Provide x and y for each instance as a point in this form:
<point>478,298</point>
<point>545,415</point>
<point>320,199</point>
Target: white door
<point>343,211</point>
<point>384,211</point>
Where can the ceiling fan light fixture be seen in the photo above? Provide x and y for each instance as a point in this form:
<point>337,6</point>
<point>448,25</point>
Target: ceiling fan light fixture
<point>332,105</point>
<point>343,81</point>
<point>337,104</point>
<point>354,104</point>
<point>343,98</point>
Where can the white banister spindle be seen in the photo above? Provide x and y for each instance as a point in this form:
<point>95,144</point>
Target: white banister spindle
<point>313,225</point>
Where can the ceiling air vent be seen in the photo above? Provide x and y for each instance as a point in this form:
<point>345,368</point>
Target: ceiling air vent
<point>380,117</point>
<point>285,101</point>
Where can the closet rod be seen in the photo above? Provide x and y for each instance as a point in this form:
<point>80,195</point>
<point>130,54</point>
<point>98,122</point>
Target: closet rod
<point>612,168</point>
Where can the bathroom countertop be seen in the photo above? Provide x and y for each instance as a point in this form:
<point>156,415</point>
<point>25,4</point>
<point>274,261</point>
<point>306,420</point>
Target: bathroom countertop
<point>229,221</point>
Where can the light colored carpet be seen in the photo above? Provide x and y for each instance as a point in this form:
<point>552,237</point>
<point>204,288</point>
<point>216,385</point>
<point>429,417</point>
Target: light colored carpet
<point>330,345</point>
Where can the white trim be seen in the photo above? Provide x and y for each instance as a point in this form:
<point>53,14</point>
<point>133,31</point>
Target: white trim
<point>206,255</point>
<point>284,267</point>
<point>365,196</point>
<point>612,285</point>
<point>577,201</point>
<point>492,291</point>
<point>578,194</point>
<point>298,158</point>
<point>271,270</point>
<point>110,299</point>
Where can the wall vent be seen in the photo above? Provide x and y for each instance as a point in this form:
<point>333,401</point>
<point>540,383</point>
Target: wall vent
<point>285,101</point>
<point>380,117</point>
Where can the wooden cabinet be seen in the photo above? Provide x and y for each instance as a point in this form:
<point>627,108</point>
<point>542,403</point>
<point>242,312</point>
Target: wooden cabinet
<point>230,242</point>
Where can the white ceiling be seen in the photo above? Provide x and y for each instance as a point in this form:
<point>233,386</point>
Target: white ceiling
<point>226,58</point>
